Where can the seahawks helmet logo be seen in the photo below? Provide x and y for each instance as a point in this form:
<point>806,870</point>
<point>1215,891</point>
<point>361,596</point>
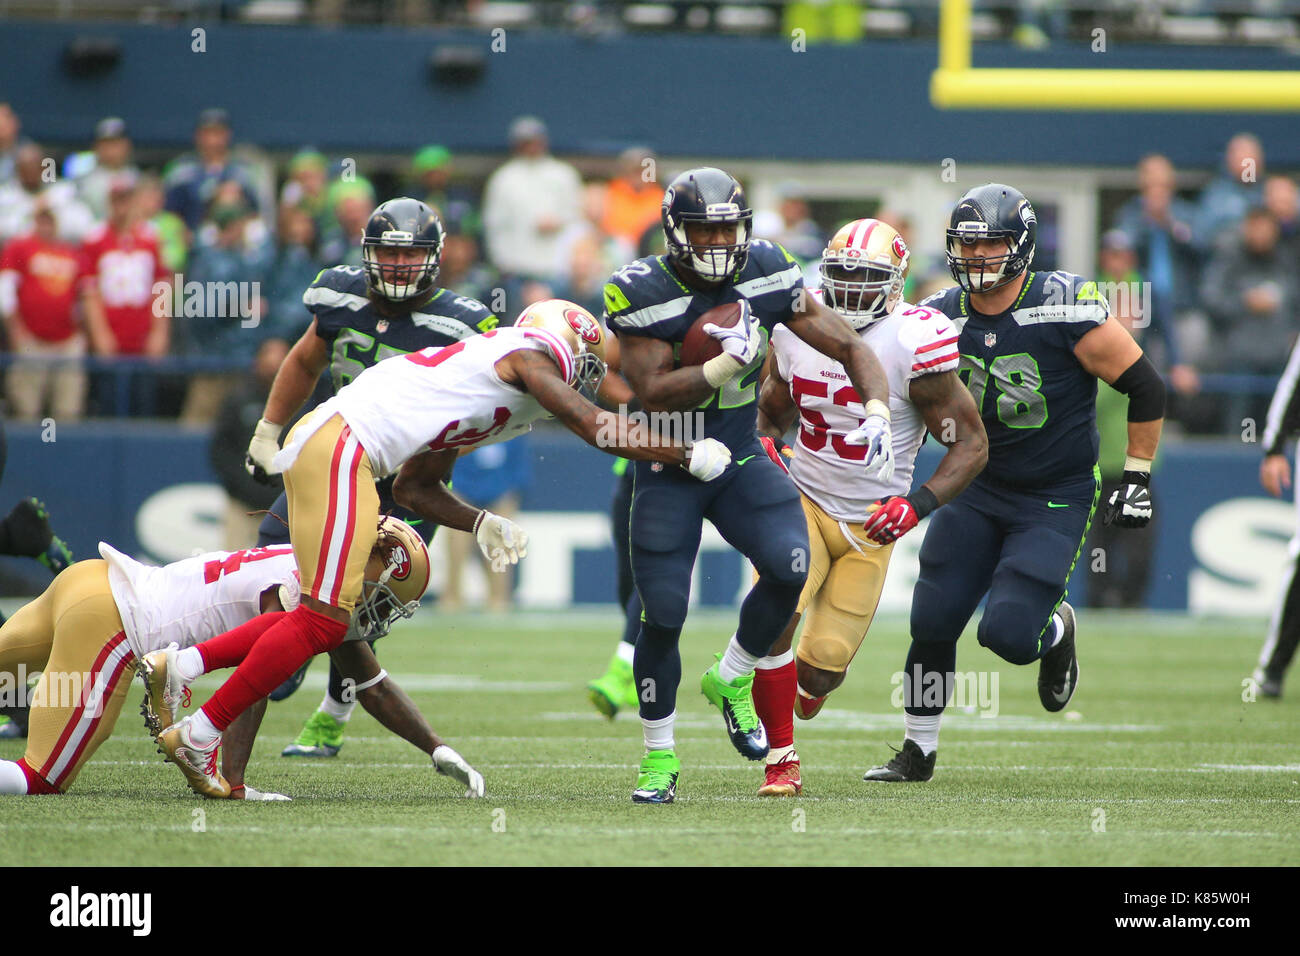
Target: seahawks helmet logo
<point>1026,212</point>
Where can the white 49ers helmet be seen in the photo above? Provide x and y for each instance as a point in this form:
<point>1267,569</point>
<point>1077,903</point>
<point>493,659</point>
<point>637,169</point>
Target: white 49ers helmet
<point>580,332</point>
<point>397,576</point>
<point>863,269</point>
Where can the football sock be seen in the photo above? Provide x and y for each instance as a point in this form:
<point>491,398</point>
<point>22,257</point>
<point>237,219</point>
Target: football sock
<point>202,730</point>
<point>659,733</point>
<point>189,663</point>
<point>625,651</point>
<point>12,779</point>
<point>658,661</point>
<point>230,649</point>
<point>285,647</point>
<point>933,662</point>
<point>923,731</point>
<point>736,661</point>
<point>339,711</point>
<point>1058,630</point>
<point>775,684</point>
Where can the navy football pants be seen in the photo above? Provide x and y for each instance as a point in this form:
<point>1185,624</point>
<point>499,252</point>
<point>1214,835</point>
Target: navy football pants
<point>1016,546</point>
<point>756,509</point>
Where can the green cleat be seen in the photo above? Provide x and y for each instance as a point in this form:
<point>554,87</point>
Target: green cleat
<point>321,736</point>
<point>657,781</point>
<point>736,701</point>
<point>614,689</point>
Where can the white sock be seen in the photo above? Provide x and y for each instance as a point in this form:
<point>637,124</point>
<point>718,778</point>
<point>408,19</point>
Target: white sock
<point>12,779</point>
<point>340,712</point>
<point>202,730</point>
<point>189,664</point>
<point>1058,630</point>
<point>923,731</point>
<point>625,651</point>
<point>659,733</point>
<point>736,661</point>
<point>781,754</point>
<point>772,663</point>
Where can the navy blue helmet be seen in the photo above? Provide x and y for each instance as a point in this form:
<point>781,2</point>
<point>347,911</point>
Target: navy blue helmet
<point>402,224</point>
<point>706,195</point>
<point>993,211</point>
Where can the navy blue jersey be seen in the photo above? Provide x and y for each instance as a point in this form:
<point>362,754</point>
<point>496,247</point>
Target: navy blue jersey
<point>1038,403</point>
<point>359,335</point>
<point>646,298</point>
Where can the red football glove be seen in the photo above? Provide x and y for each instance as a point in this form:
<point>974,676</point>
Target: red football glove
<point>778,453</point>
<point>897,515</point>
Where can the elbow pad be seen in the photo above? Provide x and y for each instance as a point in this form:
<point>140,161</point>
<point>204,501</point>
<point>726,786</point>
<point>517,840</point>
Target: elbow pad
<point>1145,390</point>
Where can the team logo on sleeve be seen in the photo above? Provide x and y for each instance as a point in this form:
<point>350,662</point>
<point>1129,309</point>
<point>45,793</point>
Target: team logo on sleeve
<point>583,324</point>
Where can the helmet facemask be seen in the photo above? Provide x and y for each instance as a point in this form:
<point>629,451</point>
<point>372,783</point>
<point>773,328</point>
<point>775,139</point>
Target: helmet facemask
<point>862,292</point>
<point>400,281</point>
<point>392,567</point>
<point>713,263</point>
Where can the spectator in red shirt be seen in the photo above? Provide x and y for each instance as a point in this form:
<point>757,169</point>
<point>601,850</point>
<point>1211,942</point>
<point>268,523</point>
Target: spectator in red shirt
<point>38,283</point>
<point>121,266</point>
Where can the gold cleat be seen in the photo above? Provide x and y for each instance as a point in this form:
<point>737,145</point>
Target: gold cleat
<point>199,764</point>
<point>164,694</point>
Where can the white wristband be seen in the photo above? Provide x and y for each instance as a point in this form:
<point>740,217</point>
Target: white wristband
<point>877,407</point>
<point>1137,464</point>
<point>720,369</point>
<point>268,429</point>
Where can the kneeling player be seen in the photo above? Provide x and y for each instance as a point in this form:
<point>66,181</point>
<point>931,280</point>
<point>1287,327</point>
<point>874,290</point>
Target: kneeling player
<point>853,518</point>
<point>98,618</point>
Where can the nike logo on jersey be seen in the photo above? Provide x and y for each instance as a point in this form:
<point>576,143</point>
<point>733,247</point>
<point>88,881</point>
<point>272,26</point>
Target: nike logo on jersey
<point>743,460</point>
<point>1053,504</point>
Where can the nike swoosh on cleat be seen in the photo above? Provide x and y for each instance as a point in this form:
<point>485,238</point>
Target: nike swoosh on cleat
<point>1053,504</point>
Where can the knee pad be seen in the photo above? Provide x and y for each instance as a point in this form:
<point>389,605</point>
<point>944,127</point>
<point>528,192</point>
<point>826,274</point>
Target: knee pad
<point>663,608</point>
<point>1007,631</point>
<point>932,621</point>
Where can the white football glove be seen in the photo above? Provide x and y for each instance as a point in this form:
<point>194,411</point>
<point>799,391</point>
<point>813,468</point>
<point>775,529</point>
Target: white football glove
<point>263,448</point>
<point>742,341</point>
<point>451,764</point>
<point>875,433</point>
<point>502,541</point>
<point>707,458</point>
<point>251,793</point>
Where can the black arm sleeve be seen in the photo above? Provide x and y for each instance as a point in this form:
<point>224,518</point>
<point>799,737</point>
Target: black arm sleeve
<point>1145,390</point>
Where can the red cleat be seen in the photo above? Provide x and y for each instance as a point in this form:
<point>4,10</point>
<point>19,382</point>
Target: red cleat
<point>782,780</point>
<point>805,708</point>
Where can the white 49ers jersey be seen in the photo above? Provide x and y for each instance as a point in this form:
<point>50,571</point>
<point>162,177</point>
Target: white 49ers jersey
<point>909,342</point>
<point>436,398</point>
<point>198,598</point>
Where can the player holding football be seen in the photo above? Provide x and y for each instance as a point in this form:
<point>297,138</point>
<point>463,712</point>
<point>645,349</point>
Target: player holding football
<point>1033,346</point>
<point>651,304</point>
<point>416,413</point>
<point>359,317</point>
<point>854,519</point>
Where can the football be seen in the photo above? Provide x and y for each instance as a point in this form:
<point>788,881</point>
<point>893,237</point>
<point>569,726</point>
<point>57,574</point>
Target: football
<point>698,346</point>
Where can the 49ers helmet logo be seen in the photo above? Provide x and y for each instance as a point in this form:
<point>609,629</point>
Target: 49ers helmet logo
<point>583,324</point>
<point>900,247</point>
<point>401,562</point>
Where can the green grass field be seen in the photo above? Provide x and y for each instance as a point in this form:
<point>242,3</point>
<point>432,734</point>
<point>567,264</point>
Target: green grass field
<point>1158,761</point>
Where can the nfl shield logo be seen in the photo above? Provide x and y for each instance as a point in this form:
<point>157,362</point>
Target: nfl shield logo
<point>656,466</point>
<point>990,339</point>
<point>381,326</point>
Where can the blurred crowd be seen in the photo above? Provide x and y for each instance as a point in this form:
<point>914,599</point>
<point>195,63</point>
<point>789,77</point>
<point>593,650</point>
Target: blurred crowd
<point>108,268</point>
